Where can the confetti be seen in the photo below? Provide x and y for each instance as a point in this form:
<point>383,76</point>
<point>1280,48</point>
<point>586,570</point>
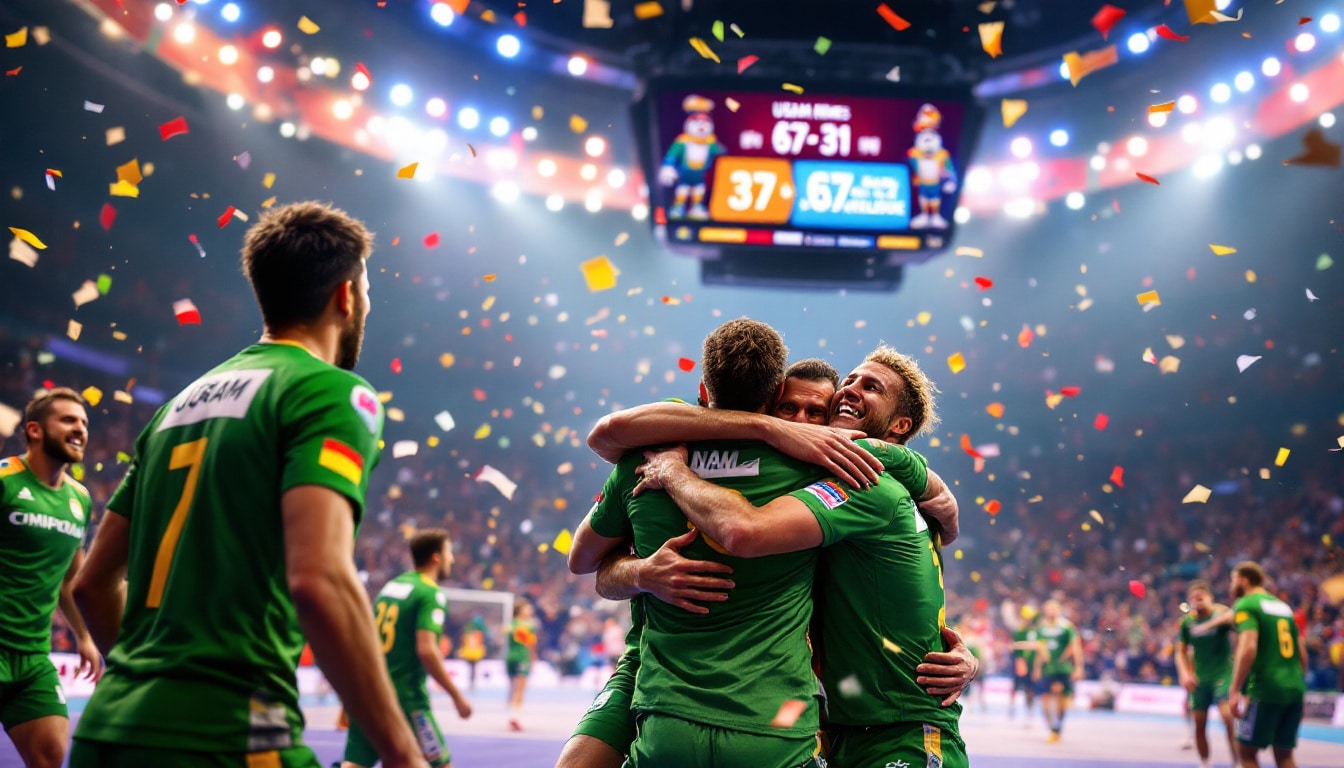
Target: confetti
<point>1169,364</point>
<point>1097,516</point>
<point>447,359</point>
<point>86,293</point>
<point>22,253</point>
<point>993,507</point>
<point>1246,361</point>
<point>14,72</point>
<point>115,136</point>
<point>1166,106</point>
<point>1282,458</point>
<point>564,541</point>
<point>894,74</point>
<point>1324,262</point>
<point>648,10</point>
<point>445,421</point>
<point>969,449</point>
<point>407,172</point>
<point>686,364</point>
<point>1070,391</point>
<point>995,410</point>
<point>957,363</point>
<point>737,30</point>
<point>792,88</point>
<point>1137,587</point>
<point>123,189</point>
<point>599,273</point>
<point>197,243</point>
<point>702,48</point>
<point>130,172</point>
<point>243,160</point>
<point>731,103</point>
<point>890,646</point>
<point>395,365</point>
<point>1149,179</point>
<point>1167,33</point>
<point>1175,342</point>
<point>1149,357</point>
<point>186,312</point>
<point>1201,11</point>
<point>577,124</point>
<point>28,237</point>
<point>103,284</point>
<point>1149,297</point>
<point>226,216</point>
<point>1082,65</point>
<point>1317,151</point>
<point>17,39</point>
<point>10,419</point>
<point>974,253</point>
<point>175,127</point>
<point>307,26</point>
<point>106,216</point>
<point>488,474</point>
<point>822,45</point>
<point>984,283</point>
<point>1197,495</point>
<point>123,397</point>
<point>93,396</point>
<point>1311,296</point>
<point>1101,422</point>
<point>1025,336</point>
<point>788,713</point>
<point>1106,18</point>
<point>1013,110</point>
<point>403,448</point>
<point>52,176</point>
<point>744,62</point>
<point>482,432</point>
<point>891,17</point>
<point>89,106</point>
<point>991,38</point>
<point>1118,476</point>
<point>432,240</point>
<point>1221,250</point>
<point>1249,314</point>
<point>717,30</point>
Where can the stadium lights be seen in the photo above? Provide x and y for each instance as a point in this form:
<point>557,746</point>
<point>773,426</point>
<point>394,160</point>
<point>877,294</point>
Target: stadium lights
<point>288,129</point>
<point>979,179</point>
<point>272,38</point>
<point>1137,146</point>
<point>639,211</point>
<point>265,74</point>
<point>593,201</point>
<point>359,81</point>
<point>530,133</point>
<point>228,55</point>
<point>502,159</point>
<point>1253,152</point>
<point>505,192</point>
<point>1299,92</point>
<point>1097,163</point>
<point>468,118</point>
<point>1219,133</point>
<point>1271,67</point>
<point>577,66</point>
<point>588,172</point>
<point>1208,166</point>
<point>1020,208</point>
<point>1220,93</point>
<point>401,94</point>
<point>230,12</point>
<point>442,14</point>
<point>1244,81</point>
<point>1187,104</point>
<point>616,177</point>
<point>1304,42</point>
<point>1326,120</point>
<point>554,203</point>
<point>1059,137</point>
<point>318,66</point>
<point>185,32</point>
<point>595,146</point>
<point>546,168</point>
<point>499,127</point>
<point>1075,201</point>
<point>436,107</point>
<point>163,12</point>
<point>1138,43</point>
<point>1021,147</point>
<point>1234,158</point>
<point>1192,133</point>
<point>962,215</point>
<point>1064,71</point>
<point>342,109</point>
<point>1329,23</point>
<point>235,101</point>
<point>508,46</point>
<point>1157,119</point>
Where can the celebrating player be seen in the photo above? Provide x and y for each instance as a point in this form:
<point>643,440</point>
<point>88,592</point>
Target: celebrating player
<point>1270,666</point>
<point>234,530</point>
<point>408,614</point>
<point>45,511</point>
<point>1058,665</point>
<point>1207,677</point>
<point>809,385</point>
<point>519,657</point>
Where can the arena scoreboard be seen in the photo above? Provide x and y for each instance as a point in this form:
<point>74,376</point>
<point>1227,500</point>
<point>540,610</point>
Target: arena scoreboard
<point>741,169</point>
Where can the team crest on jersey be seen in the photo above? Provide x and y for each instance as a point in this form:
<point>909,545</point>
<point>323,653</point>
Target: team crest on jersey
<point>77,510</point>
<point>600,701</point>
<point>830,493</point>
<point>715,464</point>
<point>365,403</point>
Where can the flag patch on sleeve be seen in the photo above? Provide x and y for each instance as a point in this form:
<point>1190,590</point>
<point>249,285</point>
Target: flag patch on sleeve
<point>341,459</point>
<point>830,493</point>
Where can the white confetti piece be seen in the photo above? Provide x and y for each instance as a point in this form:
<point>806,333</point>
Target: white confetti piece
<point>403,448</point>
<point>89,106</point>
<point>1197,495</point>
<point>488,474</point>
<point>9,420</point>
<point>1246,361</point>
<point>1310,296</point>
<point>445,421</point>
<point>86,293</point>
<point>22,252</point>
<point>1249,314</point>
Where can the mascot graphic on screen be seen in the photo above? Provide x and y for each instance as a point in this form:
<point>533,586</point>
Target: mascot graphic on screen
<point>934,174</point>
<point>688,160</point>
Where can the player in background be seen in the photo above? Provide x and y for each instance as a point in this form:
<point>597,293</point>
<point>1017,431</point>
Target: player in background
<point>518,659</point>
<point>1025,647</point>
<point>409,614</point>
<point>471,649</point>
<point>1058,665</point>
<point>41,535</point>
<point>809,385</point>
<point>231,538</point>
<point>1208,675</point>
<point>1270,667</point>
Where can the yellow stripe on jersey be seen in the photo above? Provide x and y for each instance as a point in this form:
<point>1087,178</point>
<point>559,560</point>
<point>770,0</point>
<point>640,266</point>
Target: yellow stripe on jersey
<point>264,759</point>
<point>341,459</point>
<point>11,466</point>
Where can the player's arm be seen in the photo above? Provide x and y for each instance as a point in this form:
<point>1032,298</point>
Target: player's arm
<point>99,590</point>
<point>666,575</point>
<point>1076,648</point>
<point>65,599</point>
<point>336,617</point>
<point>1183,665</point>
<point>938,503</point>
<point>427,650</point>
<point>1247,641</point>
<point>590,547</point>
<point>1222,617</point>
<point>657,423</point>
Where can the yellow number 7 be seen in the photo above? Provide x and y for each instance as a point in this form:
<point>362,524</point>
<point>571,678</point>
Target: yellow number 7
<point>185,456</point>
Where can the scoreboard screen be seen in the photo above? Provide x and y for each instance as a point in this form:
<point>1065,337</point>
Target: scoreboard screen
<point>733,169</point>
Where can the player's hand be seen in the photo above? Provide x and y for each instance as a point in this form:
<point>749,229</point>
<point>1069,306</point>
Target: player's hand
<point>828,447</point>
<point>667,175</point>
<point>1235,704</point>
<point>658,464</point>
<point>942,509</point>
<point>1076,674</point>
<point>89,659</point>
<point>678,581</point>
<point>1188,683</point>
<point>947,674</point>
<point>463,707</point>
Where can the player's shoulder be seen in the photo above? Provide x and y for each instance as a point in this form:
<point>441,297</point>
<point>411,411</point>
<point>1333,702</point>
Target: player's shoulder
<point>10,466</point>
<point>77,486</point>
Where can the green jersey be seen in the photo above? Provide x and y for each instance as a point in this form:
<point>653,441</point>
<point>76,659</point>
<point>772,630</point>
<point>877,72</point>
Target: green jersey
<point>1212,647</point>
<point>1025,645</point>
<point>882,604</point>
<point>1276,674</point>
<point>210,640</point>
<point>736,665</point>
<point>41,531</point>
<point>405,606</point>
<point>1057,639</point>
<point>522,640</point>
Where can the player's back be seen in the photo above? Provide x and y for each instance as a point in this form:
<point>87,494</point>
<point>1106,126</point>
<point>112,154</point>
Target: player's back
<point>210,639</point>
<point>1276,674</point>
<point>405,605</point>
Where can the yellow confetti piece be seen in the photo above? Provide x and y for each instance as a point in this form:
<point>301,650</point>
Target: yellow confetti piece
<point>307,26</point>
<point>1169,364</point>
<point>995,410</point>
<point>123,189</point>
<point>1013,110</point>
<point>482,432</point>
<point>93,396</point>
<point>957,555</point>
<point>130,172</point>
<point>1164,107</point>
<point>115,136</point>
<point>564,541</point>
<point>791,88</point>
<point>1282,457</point>
<point>1149,297</point>
<point>1221,250</point>
<point>268,180</point>
<point>407,172</point>
<point>432,441</point>
<point>957,363</point>
<point>890,646</point>
<point>599,273</point>
<point>28,237</point>
<point>73,329</point>
<point>1197,495</point>
<point>974,253</point>
<point>923,318</point>
<point>577,124</point>
<point>991,38</point>
<point>1176,342</point>
<point>1096,516</point>
<point>702,48</point>
<point>649,10</point>
<point>17,39</point>
<point>732,104</point>
<point>1250,275</point>
<point>975,576</point>
<point>123,397</point>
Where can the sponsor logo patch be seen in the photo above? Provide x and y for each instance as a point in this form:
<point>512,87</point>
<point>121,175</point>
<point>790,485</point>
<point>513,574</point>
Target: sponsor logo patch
<point>77,510</point>
<point>829,492</point>
<point>366,404</point>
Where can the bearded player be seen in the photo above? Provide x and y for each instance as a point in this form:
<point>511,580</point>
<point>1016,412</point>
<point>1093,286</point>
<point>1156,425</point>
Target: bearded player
<point>1270,667</point>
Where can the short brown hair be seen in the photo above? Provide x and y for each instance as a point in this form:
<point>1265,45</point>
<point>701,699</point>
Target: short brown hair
<point>1251,572</point>
<point>426,544</point>
<point>743,364</point>
<point>40,406</point>
<point>296,255</point>
<point>813,369</point>
<point>918,396</point>
<point>1198,585</point>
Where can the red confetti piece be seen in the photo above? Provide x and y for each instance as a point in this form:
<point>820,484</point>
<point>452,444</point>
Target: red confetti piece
<point>1025,336</point>
<point>993,506</point>
<point>892,18</point>
<point>396,365</point>
<point>984,282</point>
<point>969,449</point>
<point>1304,20</point>
<point>1101,421</point>
<point>48,384</point>
<point>1137,588</point>
<point>174,127</point>
<point>224,217</point>
<point>187,313</point>
<point>1106,18</point>
<point>746,61</point>
<point>1070,391</point>
<point>1149,179</point>
<point>1167,33</point>
<point>363,70</point>
<point>107,216</point>
<point>521,18</point>
<point>479,394</point>
<point>686,364</point>
<point>1118,477</point>
<point>14,71</point>
<point>432,240</point>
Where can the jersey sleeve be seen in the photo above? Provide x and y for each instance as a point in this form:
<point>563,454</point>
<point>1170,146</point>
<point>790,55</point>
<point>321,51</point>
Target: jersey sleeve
<point>1245,616</point>
<point>123,498</point>
<point>845,512</point>
<point>431,613</point>
<point>907,467</point>
<point>1185,630</point>
<point>608,516</point>
<point>332,422</point>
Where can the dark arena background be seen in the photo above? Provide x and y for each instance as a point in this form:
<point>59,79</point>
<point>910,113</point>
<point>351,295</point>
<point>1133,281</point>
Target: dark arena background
<point>1130,292</point>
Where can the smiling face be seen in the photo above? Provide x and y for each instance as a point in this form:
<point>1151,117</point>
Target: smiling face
<point>701,126</point>
<point>63,432</point>
<point>804,401</point>
<point>1201,602</point>
<point>868,400</point>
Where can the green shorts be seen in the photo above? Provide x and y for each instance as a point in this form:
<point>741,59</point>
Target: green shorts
<point>101,754</point>
<point>913,744</point>
<point>1065,680</point>
<point>1206,695</point>
<point>663,740</point>
<point>29,688</point>
<point>609,719</point>
<point>1270,724</point>
<point>360,751</point>
<point>518,668</point>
